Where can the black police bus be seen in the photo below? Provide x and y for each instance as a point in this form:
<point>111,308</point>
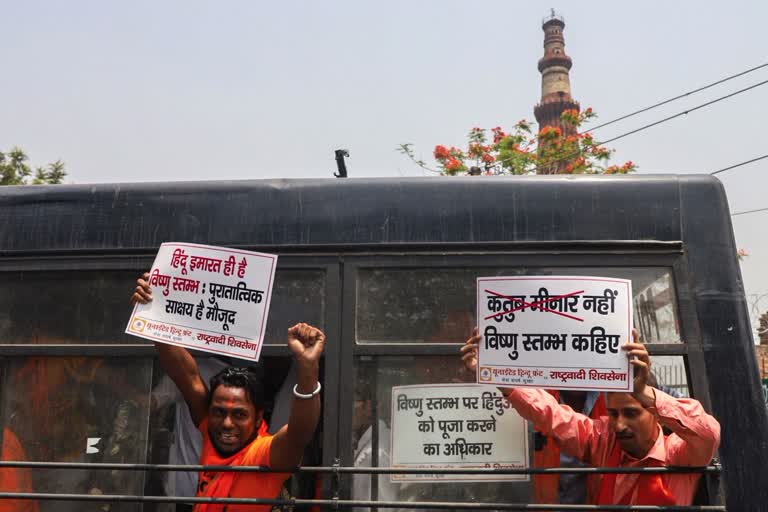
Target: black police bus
<point>387,268</point>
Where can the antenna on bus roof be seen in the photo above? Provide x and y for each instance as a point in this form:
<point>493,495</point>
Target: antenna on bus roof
<point>340,164</point>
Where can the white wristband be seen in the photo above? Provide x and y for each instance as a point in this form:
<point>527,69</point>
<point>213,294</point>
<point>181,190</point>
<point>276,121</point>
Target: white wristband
<point>303,396</point>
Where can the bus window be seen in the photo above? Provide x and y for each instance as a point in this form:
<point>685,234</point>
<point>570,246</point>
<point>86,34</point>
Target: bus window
<point>426,306</point>
<point>79,307</point>
<point>298,295</point>
<point>65,307</point>
<point>79,409</point>
<point>436,305</point>
<point>671,376</point>
<point>371,421</point>
<point>656,311</point>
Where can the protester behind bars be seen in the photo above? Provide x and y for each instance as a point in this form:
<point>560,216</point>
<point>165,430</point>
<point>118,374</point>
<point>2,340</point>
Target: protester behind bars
<point>629,436</point>
<point>229,416</point>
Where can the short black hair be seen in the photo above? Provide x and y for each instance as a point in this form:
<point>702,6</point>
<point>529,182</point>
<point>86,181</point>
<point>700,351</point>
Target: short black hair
<point>248,378</point>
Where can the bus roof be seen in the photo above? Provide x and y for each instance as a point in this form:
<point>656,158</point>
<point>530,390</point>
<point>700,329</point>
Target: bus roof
<point>317,212</point>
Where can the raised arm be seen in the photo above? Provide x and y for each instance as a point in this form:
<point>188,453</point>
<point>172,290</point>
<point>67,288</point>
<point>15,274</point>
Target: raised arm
<point>177,362</point>
<point>576,433</point>
<point>696,434</point>
<point>306,343</point>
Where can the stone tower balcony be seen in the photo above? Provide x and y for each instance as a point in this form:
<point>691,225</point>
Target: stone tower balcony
<point>552,59</point>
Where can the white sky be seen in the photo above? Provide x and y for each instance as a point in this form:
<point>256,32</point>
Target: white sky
<point>192,90</point>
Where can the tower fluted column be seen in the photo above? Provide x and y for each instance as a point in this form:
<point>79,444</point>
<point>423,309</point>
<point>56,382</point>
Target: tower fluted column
<point>556,97</point>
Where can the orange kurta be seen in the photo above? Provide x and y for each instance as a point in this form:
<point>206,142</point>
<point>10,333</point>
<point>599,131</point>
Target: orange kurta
<point>242,485</point>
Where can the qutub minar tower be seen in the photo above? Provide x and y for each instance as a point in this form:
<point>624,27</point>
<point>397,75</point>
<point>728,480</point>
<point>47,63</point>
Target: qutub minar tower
<point>555,82</point>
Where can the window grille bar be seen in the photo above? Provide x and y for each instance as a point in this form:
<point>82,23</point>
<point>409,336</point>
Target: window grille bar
<point>358,470</point>
<point>438,505</point>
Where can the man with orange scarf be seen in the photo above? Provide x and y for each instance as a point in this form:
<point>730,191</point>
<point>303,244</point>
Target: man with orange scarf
<point>229,416</point>
<point>629,436</point>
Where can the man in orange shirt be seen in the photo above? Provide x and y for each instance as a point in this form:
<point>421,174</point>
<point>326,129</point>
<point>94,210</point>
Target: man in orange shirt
<point>229,416</point>
<point>629,436</point>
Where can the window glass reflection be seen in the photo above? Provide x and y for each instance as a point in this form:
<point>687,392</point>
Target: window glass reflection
<point>670,375</point>
<point>79,409</point>
<point>297,296</point>
<point>92,306</point>
<point>371,442</point>
<point>428,305</point>
<point>65,307</point>
<point>656,311</point>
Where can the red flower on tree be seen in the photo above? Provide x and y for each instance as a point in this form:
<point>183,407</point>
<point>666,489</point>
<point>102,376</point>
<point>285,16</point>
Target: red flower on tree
<point>441,152</point>
<point>453,164</point>
<point>564,149</point>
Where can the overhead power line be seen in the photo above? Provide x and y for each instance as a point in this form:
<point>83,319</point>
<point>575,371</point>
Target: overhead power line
<point>739,164</point>
<point>679,114</point>
<point>669,118</point>
<point>670,100</point>
<point>684,112</point>
<point>734,166</point>
<point>749,211</point>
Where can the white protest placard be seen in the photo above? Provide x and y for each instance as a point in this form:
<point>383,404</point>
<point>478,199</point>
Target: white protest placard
<point>207,298</point>
<point>555,332</point>
<point>439,426</point>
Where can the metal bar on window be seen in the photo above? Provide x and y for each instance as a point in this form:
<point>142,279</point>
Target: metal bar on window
<point>335,504</point>
<point>356,469</point>
<point>418,348</point>
<point>374,479</point>
<point>103,350</point>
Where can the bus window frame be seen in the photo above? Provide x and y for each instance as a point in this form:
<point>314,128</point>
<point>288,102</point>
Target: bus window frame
<point>671,256</point>
<point>341,265</point>
<point>116,261</point>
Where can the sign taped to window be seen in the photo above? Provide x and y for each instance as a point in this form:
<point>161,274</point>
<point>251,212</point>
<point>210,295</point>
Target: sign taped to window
<point>207,298</point>
<point>438,426</point>
<point>554,332</point>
